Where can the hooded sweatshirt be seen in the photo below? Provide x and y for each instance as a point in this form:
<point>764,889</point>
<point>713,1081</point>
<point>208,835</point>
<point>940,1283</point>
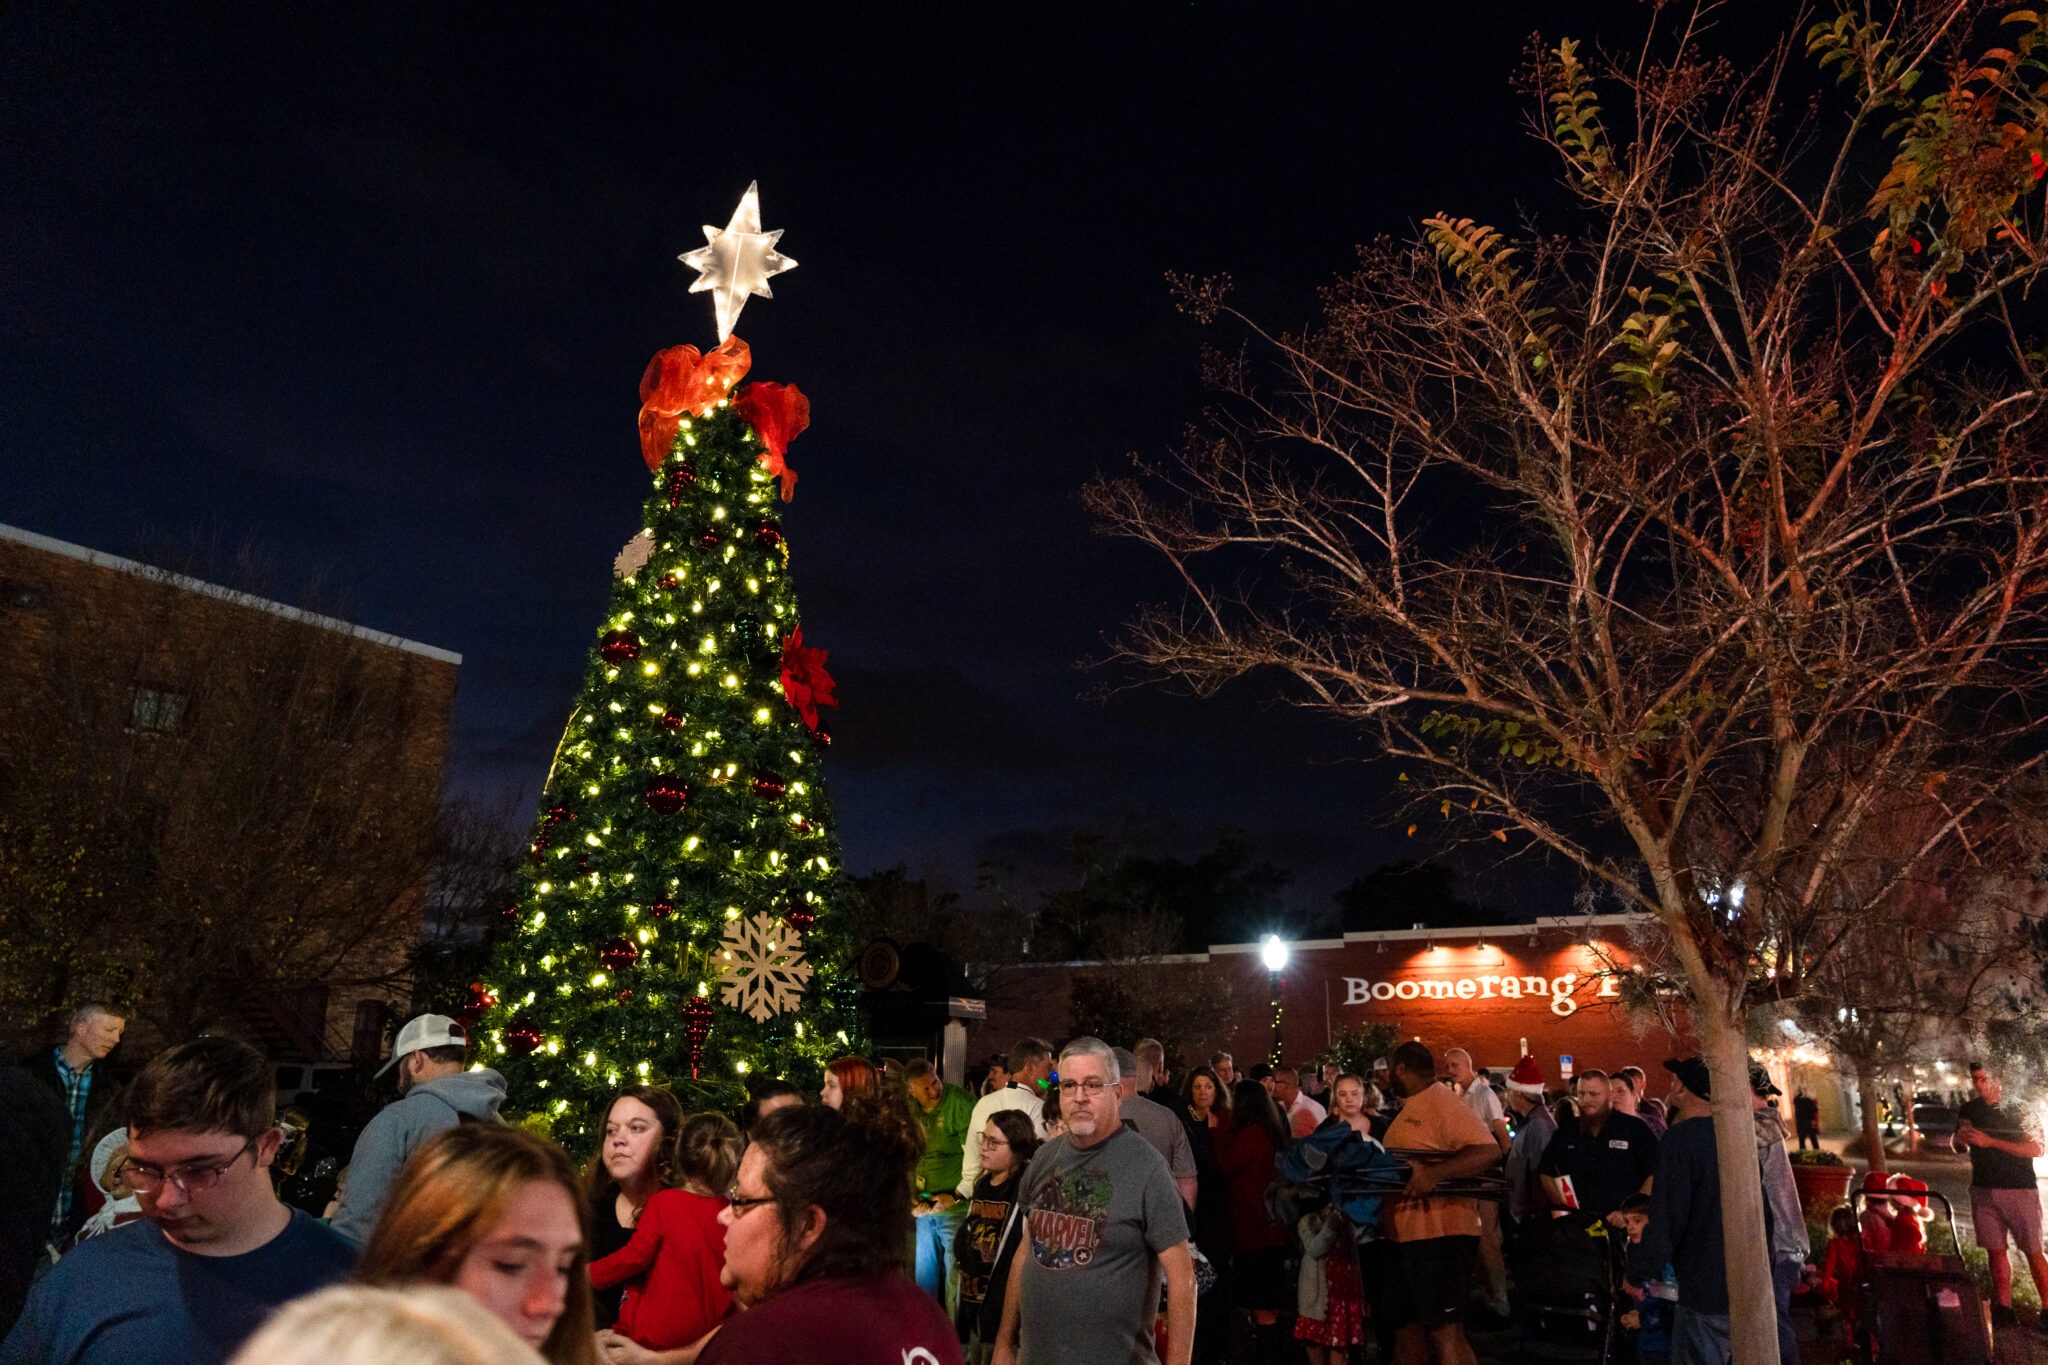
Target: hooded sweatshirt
<point>1781,1192</point>
<point>396,1133</point>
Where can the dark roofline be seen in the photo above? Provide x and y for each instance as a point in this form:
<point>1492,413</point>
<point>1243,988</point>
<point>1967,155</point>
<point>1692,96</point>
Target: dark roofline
<point>239,598</point>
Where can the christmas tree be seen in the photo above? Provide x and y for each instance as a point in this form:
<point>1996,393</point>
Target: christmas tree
<point>673,923</point>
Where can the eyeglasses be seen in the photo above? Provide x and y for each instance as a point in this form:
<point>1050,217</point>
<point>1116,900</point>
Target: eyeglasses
<point>988,1141</point>
<point>741,1202</point>
<point>195,1178</point>
<point>1090,1087</point>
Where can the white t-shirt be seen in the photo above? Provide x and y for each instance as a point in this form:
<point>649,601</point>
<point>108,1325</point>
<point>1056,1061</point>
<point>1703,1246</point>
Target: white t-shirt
<point>1481,1100</point>
<point>1304,1116</point>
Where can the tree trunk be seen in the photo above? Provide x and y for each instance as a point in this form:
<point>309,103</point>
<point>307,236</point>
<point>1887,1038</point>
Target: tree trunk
<point>1752,1306</point>
<point>1873,1130</point>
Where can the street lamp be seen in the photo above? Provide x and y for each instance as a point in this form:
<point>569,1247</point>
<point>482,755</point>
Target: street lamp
<point>1273,952</point>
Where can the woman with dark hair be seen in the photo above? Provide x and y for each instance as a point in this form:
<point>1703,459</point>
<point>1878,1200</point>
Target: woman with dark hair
<point>765,1095</point>
<point>818,1240</point>
<point>497,1212</point>
<point>1258,1263</point>
<point>1205,1109</point>
<point>672,1268</point>
<point>1008,1141</point>
<point>632,1162</point>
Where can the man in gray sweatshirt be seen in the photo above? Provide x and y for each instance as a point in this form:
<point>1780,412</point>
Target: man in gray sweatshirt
<point>434,1094</point>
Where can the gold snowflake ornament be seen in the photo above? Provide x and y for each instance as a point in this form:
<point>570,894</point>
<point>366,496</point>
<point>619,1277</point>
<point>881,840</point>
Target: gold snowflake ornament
<point>761,966</point>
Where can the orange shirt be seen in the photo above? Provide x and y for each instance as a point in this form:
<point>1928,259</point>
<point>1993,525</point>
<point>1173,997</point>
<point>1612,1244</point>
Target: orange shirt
<point>1435,1120</point>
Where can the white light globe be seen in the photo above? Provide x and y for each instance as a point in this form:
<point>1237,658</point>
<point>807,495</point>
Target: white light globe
<point>1273,953</point>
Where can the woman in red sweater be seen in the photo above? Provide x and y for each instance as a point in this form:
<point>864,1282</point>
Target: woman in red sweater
<point>1258,1262</point>
<point>670,1268</point>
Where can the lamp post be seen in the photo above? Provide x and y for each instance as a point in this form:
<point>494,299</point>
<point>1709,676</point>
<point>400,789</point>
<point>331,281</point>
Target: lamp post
<point>1273,952</point>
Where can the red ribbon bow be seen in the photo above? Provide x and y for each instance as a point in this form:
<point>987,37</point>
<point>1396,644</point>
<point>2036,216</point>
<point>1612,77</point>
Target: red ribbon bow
<point>778,413</point>
<point>805,683</point>
<point>683,381</point>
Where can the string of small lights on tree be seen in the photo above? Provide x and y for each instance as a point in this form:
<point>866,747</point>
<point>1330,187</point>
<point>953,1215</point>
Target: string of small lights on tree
<point>674,920</point>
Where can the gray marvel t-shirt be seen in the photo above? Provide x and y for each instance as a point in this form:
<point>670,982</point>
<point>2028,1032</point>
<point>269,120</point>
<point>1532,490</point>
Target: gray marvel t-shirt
<point>1097,1219</point>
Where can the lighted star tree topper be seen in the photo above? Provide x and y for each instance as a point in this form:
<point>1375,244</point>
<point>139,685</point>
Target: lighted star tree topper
<point>737,261</point>
<point>674,921</point>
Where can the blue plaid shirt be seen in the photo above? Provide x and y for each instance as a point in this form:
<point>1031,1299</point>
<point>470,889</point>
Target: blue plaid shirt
<point>77,1086</point>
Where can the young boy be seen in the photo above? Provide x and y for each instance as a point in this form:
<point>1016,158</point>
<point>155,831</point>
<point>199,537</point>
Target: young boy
<point>1653,1288</point>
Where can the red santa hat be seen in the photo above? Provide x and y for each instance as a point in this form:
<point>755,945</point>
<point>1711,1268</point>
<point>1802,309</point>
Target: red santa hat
<point>1526,1078</point>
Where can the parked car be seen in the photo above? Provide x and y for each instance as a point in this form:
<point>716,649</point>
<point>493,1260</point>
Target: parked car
<point>1935,1120</point>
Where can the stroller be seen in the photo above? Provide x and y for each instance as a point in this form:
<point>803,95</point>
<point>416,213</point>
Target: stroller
<point>1564,1299</point>
<point>1919,1307</point>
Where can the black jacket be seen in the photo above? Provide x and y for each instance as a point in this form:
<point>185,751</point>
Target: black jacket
<point>35,1139</point>
<point>100,1102</point>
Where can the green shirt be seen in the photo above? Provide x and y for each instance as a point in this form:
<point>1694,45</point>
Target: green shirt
<point>945,1139</point>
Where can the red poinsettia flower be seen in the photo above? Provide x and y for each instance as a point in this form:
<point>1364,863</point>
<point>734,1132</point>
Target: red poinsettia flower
<point>778,413</point>
<point>682,381</point>
<point>805,683</point>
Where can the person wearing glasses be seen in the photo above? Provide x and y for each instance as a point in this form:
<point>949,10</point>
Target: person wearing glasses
<point>216,1251</point>
<point>987,1236</point>
<point>1104,1229</point>
<point>817,1245</point>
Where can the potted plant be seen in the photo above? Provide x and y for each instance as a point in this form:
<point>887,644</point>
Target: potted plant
<point>1823,1181</point>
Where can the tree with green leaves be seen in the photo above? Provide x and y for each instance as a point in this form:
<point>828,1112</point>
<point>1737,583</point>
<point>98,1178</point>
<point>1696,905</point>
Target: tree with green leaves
<point>674,921</point>
<point>1670,542</point>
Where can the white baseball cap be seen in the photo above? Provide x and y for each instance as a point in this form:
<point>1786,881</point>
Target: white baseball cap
<point>429,1030</point>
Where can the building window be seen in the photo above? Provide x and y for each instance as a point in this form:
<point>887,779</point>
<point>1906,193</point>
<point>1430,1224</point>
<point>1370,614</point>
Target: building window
<point>160,713</point>
<point>366,1042</point>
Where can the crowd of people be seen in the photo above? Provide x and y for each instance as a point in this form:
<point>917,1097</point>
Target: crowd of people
<point>1080,1204</point>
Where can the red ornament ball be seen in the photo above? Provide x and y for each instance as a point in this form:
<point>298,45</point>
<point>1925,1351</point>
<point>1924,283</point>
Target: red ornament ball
<point>508,914</point>
<point>619,647</point>
<point>671,721</point>
<point>768,784</point>
<point>799,915</point>
<point>767,532</point>
<point>475,1001</point>
<point>680,482</point>
<point>668,794</point>
<point>557,814</point>
<point>710,537</point>
<point>619,954</point>
<point>522,1037</point>
<point>662,909</point>
<point>625,994</point>
<point>823,733</point>
<point>669,582</point>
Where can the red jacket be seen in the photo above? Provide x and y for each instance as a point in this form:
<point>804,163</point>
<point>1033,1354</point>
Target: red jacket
<point>670,1270</point>
<point>1245,1156</point>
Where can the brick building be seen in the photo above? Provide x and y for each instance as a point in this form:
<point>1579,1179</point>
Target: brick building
<point>214,807</point>
<point>1547,989</point>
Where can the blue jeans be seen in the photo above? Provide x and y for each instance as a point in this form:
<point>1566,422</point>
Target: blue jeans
<point>934,1232</point>
<point>1784,1276</point>
<point>1699,1338</point>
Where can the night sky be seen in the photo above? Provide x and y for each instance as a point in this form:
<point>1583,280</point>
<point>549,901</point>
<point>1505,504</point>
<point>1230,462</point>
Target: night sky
<point>369,289</point>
